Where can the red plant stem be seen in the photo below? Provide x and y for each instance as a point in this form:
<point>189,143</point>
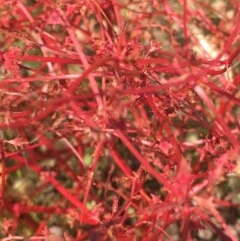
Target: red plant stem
<point>211,106</point>
<point>233,56</point>
<point>233,33</point>
<point>153,89</point>
<point>39,78</point>
<point>40,116</point>
<point>124,207</point>
<point>33,238</point>
<point>88,70</point>
<point>143,161</point>
<point>38,209</point>
<point>120,194</point>
<point>185,21</point>
<point>14,168</point>
<point>225,203</point>
<point>83,58</point>
<point>61,189</point>
<point>65,193</point>
<point>162,121</point>
<point>121,164</point>
<point>3,170</point>
<point>105,31</point>
<point>222,92</point>
<point>25,11</point>
<point>50,59</point>
<point>190,79</point>
<point>155,235</point>
<point>125,169</point>
<point>224,236</point>
<point>162,61</point>
<point>53,49</point>
<point>96,156</point>
<point>117,12</point>
<point>68,143</point>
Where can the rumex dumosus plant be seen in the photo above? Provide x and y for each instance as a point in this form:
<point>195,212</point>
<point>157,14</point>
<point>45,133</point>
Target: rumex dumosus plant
<point>119,120</point>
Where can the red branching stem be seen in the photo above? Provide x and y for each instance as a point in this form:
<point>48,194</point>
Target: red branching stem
<point>40,78</point>
<point>3,170</point>
<point>143,161</point>
<point>199,90</point>
<point>38,209</point>
<point>88,71</point>
<point>25,11</point>
<point>185,20</point>
<point>62,190</point>
<point>222,92</point>
<point>233,34</point>
<point>208,205</point>
<point>153,83</point>
<point>49,59</point>
<point>233,56</point>
<point>117,13</point>
<point>84,60</point>
<point>81,162</point>
<point>121,164</point>
<point>91,171</point>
